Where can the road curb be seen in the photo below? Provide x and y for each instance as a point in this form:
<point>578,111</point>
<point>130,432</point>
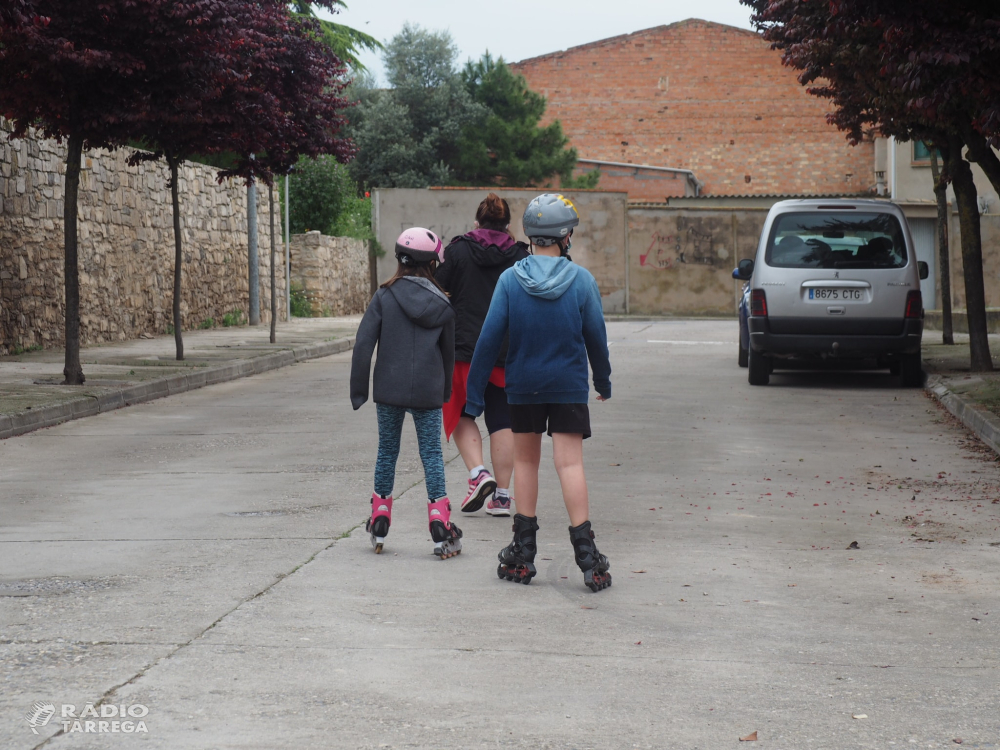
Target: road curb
<point>984,423</point>
<point>12,425</point>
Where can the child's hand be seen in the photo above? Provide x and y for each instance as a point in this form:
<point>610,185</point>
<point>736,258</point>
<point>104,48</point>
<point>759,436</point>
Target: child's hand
<point>600,397</point>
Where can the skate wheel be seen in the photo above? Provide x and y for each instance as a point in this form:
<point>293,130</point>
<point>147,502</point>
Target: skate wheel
<point>500,573</point>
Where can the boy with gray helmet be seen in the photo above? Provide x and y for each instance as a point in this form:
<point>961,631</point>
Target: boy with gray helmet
<point>551,310</point>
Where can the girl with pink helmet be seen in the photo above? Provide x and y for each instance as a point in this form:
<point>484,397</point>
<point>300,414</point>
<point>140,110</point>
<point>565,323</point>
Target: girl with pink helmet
<point>411,320</point>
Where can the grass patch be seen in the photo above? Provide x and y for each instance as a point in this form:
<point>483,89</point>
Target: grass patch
<point>234,318</point>
<point>18,349</point>
<point>301,305</point>
<point>206,324</point>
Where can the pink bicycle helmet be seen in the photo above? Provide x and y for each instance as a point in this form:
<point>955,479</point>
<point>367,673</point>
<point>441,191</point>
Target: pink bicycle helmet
<point>419,245</point>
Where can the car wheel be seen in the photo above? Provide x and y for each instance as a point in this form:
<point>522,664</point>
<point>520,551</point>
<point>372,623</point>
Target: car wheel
<point>759,368</point>
<point>744,355</point>
<point>911,373</point>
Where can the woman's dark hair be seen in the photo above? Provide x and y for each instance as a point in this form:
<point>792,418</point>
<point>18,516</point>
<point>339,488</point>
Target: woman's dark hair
<point>423,270</point>
<point>493,213</point>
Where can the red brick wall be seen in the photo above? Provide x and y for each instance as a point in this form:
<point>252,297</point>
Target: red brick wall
<point>702,96</point>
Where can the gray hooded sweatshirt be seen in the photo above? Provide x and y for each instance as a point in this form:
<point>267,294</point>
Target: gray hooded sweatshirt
<point>413,324</point>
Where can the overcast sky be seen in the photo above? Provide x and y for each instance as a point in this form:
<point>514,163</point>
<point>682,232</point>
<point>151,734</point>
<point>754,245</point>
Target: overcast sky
<point>518,29</point>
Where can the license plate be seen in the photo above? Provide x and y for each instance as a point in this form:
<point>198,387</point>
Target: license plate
<point>854,295</point>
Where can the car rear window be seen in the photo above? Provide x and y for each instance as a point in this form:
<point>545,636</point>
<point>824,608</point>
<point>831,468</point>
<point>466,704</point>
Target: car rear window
<point>826,240</point>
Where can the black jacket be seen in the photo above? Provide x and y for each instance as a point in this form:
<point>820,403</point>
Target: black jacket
<point>415,325</point>
<point>469,274</point>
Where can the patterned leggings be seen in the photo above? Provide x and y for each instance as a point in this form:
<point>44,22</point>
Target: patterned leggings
<point>390,428</point>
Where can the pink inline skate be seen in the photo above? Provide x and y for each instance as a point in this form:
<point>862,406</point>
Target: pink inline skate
<point>446,535</point>
<point>378,523</point>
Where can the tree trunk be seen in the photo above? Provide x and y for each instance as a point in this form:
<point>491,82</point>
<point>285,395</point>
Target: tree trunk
<point>981,153</point>
<point>252,262</point>
<point>178,257</point>
<point>944,258</point>
<point>972,256</point>
<point>73,370</point>
<point>274,283</point>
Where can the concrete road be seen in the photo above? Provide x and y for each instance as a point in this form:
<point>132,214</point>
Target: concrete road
<point>201,556</point>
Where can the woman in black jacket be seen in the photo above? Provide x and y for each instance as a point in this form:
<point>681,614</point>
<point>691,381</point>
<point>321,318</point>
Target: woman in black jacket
<point>472,265</point>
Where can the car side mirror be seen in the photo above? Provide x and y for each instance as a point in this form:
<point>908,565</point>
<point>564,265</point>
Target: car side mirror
<point>923,269</point>
<point>744,270</point>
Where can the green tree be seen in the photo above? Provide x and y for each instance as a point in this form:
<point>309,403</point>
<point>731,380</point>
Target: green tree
<point>324,197</point>
<point>345,41</point>
<point>319,191</point>
<point>509,147</point>
<point>407,136</point>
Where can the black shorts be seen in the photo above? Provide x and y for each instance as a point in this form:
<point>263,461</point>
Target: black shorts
<point>571,418</point>
<point>495,414</point>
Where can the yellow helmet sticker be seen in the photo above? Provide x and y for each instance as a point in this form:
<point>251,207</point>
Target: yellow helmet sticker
<point>569,203</point>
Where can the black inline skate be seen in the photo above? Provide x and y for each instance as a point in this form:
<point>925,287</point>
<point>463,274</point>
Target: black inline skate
<point>517,559</point>
<point>595,566</point>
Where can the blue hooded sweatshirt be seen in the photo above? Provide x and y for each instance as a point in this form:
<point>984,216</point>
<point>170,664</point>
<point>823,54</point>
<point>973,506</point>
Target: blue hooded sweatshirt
<point>551,308</point>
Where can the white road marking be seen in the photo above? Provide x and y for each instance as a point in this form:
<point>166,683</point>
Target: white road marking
<point>662,341</point>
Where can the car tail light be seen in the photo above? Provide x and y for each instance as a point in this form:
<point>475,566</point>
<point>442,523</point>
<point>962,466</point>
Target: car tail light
<point>914,305</point>
<point>758,303</point>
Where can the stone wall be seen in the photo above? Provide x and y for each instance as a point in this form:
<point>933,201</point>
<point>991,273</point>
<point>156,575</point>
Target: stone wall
<point>126,246</point>
<point>333,272</point>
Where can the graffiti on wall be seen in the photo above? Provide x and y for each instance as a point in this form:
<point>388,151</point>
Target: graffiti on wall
<point>667,251</point>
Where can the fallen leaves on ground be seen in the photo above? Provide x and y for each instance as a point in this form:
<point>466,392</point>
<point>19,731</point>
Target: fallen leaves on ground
<point>752,737</point>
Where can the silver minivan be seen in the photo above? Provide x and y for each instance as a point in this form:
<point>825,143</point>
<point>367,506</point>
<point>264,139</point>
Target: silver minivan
<point>834,279</point>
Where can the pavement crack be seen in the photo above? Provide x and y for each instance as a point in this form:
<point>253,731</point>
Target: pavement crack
<point>211,626</point>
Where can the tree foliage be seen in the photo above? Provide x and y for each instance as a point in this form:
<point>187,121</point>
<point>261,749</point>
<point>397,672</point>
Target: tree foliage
<point>203,76</point>
<point>247,81</point>
<point>69,70</point>
<point>320,191</point>
<point>435,126</point>
<point>509,147</point>
<point>343,40</point>
<point>914,69</point>
<point>407,136</point>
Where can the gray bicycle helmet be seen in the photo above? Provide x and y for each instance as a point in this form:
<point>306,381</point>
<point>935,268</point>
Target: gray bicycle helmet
<point>549,218</point>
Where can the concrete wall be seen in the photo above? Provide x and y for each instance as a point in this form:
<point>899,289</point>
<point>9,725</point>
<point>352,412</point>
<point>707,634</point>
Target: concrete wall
<point>680,255</point>
<point>333,272</point>
<point>599,245</point>
<point>126,246</point>
<point>682,260</point>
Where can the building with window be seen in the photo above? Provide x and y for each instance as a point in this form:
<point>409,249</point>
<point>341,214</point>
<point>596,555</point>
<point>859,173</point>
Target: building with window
<point>906,166</point>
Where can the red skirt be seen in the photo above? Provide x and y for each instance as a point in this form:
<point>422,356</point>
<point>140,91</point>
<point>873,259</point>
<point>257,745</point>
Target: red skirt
<point>452,409</point>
